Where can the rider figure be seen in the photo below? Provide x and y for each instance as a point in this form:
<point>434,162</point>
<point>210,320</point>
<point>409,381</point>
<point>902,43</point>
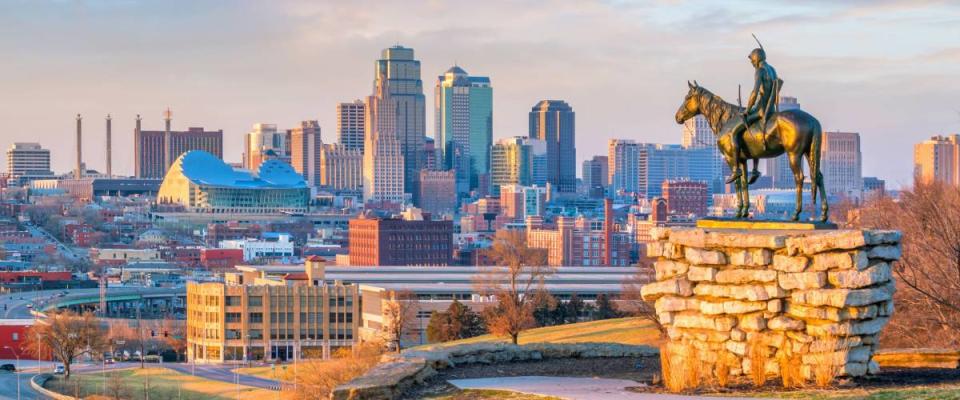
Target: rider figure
<point>760,107</point>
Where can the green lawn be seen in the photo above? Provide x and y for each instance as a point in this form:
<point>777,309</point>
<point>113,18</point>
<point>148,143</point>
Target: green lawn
<point>620,330</point>
<point>914,392</point>
<point>485,394</point>
<point>163,384</point>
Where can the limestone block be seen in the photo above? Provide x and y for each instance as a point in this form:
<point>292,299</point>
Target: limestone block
<point>752,322</point>
<point>738,276</point>
<point>826,345</point>
<point>697,321</point>
<point>848,328</point>
<point>674,333</point>
<point>664,250</point>
<point>770,366</point>
<point>775,306</point>
<point>699,273</point>
<point>674,303</point>
<point>799,337</point>
<point>673,286</point>
<point>736,347</point>
<point>840,260</point>
<point>743,307</point>
<point>825,241</point>
<point>665,318</point>
<point>706,335</point>
<point>877,273</point>
<point>802,280</point>
<point>704,256</point>
<point>790,264</point>
<point>877,237</point>
<point>782,323</point>
<point>831,313</point>
<point>843,297</point>
<point>860,354</point>
<point>885,252</point>
<point>691,237</point>
<point>873,368</point>
<point>751,257</point>
<point>660,233</point>
<point>738,335</point>
<point>701,238</point>
<point>885,309</point>
<point>739,292</point>
<point>774,291</point>
<point>669,268</point>
<point>709,308</point>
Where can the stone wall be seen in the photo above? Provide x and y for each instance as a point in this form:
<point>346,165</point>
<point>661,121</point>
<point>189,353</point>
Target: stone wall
<point>821,297</point>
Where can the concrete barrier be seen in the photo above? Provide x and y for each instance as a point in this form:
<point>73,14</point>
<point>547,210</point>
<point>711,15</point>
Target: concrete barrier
<point>37,381</point>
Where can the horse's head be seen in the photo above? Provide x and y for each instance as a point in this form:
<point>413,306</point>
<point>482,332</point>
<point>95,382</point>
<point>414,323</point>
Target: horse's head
<point>691,104</point>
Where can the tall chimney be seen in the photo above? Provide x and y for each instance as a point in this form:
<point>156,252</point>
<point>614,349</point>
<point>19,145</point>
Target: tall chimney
<point>109,151</point>
<point>78,173</point>
<point>607,231</point>
<point>137,150</point>
<point>166,141</point>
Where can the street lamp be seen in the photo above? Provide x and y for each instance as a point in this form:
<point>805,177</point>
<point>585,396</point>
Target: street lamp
<point>17,356</point>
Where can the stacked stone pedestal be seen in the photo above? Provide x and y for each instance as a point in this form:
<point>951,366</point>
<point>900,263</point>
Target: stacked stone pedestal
<point>817,296</point>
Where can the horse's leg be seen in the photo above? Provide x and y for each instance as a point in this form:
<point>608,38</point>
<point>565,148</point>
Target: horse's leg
<point>797,168</point>
<point>744,181</point>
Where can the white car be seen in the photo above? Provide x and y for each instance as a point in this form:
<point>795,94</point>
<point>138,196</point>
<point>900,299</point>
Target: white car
<point>59,370</point>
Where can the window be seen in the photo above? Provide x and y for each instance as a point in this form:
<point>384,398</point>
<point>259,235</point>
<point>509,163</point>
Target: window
<point>256,318</point>
<point>255,301</point>
<point>233,300</point>
<point>232,317</point>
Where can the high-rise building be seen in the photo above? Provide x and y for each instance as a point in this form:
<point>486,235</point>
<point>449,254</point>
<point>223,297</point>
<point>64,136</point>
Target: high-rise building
<point>579,242</point>
<point>937,159</point>
<point>430,154</point>
<point>841,164</point>
<point>437,191</point>
<point>340,168</point>
<point>554,122</point>
<point>464,125</point>
<point>28,159</point>
<point>511,163</point>
<point>394,126</point>
<point>305,143</point>
<point>660,162</point>
<point>623,170</point>
<point>518,202</point>
<point>685,197</point>
<point>394,241</point>
<point>596,172</point>
<point>874,186</point>
<point>778,168</point>
<point>151,149</point>
<point>262,143</point>
<point>698,135</point>
<point>350,124</point>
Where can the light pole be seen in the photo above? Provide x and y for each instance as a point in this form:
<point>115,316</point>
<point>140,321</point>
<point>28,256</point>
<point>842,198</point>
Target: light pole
<point>17,356</point>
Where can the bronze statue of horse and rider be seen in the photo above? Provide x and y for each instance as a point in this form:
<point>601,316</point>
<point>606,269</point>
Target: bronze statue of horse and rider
<point>760,131</point>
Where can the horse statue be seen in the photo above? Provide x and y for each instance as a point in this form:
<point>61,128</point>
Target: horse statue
<point>793,132</point>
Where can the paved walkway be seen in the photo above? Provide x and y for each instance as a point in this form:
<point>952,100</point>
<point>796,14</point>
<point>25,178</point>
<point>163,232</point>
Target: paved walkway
<point>223,373</point>
<point>568,388</point>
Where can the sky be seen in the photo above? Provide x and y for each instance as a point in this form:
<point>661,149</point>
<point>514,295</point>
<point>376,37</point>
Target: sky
<point>889,70</point>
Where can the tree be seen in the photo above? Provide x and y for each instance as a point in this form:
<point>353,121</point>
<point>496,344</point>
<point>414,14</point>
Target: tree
<point>174,335</point>
<point>67,336</point>
<point>457,322</point>
<point>575,308</point>
<point>632,298</point>
<point>516,283</point>
<point>543,312</point>
<point>606,309</point>
<point>400,313</point>
<point>928,273</point>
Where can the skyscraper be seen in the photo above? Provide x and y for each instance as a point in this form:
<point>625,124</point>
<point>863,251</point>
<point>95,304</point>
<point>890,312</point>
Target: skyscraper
<point>394,118</point>
<point>698,135</point>
<point>511,163</point>
<point>464,125</point>
<point>28,160</point>
<point>262,143</point>
<point>596,172</point>
<point>841,164</point>
<point>553,121</point>
<point>350,125</point>
<point>937,159</point>
<point>151,148</point>
<point>305,144</point>
<point>340,168</point>
<point>623,158</point>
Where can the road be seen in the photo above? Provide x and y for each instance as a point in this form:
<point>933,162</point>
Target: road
<point>224,373</point>
<point>15,305</point>
<point>67,252</point>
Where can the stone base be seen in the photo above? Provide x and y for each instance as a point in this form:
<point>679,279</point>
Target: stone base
<point>762,224</point>
<point>813,297</point>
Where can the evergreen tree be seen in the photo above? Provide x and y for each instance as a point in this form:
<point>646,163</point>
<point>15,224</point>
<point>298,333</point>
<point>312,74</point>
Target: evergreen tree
<point>606,309</point>
<point>575,307</point>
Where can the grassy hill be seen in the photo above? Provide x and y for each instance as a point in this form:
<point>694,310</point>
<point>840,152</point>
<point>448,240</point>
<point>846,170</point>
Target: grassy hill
<point>620,330</point>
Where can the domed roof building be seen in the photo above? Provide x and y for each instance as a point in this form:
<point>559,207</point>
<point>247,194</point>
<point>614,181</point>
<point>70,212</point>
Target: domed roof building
<point>201,182</point>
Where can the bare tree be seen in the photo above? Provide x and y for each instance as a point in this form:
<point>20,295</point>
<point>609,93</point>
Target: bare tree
<point>516,282</point>
<point>400,312</point>
<point>928,273</point>
<point>174,335</point>
<point>67,336</point>
<point>634,303</point>
<point>115,386</point>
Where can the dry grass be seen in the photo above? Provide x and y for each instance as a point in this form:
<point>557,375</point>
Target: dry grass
<point>619,330</point>
<point>317,379</point>
<point>680,369</point>
<point>721,369</point>
<point>757,353</point>
<point>790,363</point>
<point>827,370</point>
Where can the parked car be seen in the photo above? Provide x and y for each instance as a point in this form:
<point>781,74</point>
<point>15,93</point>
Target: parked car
<point>59,370</point>
<point>8,368</point>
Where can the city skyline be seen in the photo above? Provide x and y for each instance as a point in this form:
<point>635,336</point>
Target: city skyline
<point>837,59</point>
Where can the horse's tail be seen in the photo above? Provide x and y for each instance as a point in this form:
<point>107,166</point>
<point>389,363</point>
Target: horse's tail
<point>816,178</point>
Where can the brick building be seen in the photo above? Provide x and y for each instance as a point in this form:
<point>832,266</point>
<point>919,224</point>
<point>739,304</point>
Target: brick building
<point>579,242</point>
<point>394,241</point>
<point>686,197</point>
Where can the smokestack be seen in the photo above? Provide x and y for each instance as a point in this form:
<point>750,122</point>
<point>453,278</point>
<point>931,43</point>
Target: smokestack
<point>166,140</point>
<point>78,173</point>
<point>607,231</point>
<point>109,151</point>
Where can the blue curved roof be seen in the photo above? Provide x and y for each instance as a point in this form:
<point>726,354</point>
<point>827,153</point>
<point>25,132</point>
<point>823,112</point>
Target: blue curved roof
<point>203,168</point>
